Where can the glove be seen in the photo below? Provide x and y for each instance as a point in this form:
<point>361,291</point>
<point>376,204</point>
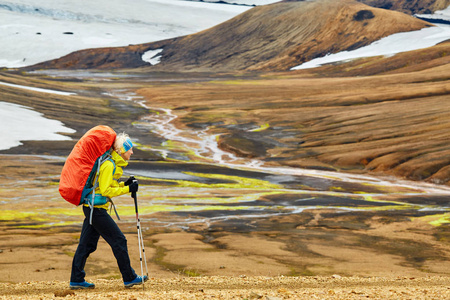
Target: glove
<point>134,186</point>
<point>129,180</point>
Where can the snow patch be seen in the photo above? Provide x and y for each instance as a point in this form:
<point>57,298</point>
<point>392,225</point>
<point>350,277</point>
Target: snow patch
<point>21,123</point>
<point>442,16</point>
<point>37,89</point>
<point>152,56</point>
<point>388,46</point>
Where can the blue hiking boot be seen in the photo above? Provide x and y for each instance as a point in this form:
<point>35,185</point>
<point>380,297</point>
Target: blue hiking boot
<point>137,280</point>
<point>81,285</point>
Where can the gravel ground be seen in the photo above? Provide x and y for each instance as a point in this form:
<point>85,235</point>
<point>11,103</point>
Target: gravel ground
<point>241,287</point>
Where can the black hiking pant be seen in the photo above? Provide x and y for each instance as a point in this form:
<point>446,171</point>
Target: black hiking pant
<point>102,225</point>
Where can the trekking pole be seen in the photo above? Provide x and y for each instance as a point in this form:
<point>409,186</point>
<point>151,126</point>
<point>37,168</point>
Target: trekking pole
<point>140,239</point>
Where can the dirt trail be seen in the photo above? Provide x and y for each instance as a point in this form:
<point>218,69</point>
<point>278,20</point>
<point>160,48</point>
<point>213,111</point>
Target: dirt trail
<point>242,287</point>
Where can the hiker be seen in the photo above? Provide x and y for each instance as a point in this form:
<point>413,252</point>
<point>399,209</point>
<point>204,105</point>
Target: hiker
<point>102,223</point>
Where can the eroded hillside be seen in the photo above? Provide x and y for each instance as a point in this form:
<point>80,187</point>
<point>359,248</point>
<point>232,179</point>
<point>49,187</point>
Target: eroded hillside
<point>272,37</point>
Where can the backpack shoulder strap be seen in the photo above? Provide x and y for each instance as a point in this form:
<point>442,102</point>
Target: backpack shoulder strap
<point>106,156</point>
<point>110,200</point>
<point>114,164</point>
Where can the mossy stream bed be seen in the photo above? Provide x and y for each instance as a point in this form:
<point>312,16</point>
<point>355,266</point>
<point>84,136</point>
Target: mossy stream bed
<point>191,193</point>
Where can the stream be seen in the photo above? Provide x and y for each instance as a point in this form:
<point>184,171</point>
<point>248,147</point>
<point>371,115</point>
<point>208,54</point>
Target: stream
<point>210,185</point>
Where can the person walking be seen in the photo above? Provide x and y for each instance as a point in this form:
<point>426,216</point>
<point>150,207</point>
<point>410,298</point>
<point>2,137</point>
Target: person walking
<point>102,223</point>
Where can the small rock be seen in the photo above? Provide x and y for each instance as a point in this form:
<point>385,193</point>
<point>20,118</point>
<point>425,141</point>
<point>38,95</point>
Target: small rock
<point>254,295</point>
<point>273,298</point>
<point>64,293</point>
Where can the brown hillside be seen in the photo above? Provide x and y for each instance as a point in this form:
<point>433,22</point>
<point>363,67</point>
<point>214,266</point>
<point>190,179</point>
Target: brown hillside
<point>408,6</point>
<point>102,58</point>
<point>282,35</point>
<point>405,62</point>
<point>273,37</point>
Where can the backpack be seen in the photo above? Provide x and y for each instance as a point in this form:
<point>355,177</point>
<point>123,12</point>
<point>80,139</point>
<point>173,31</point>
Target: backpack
<point>78,176</point>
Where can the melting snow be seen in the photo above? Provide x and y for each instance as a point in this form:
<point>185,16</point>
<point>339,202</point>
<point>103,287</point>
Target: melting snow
<point>153,56</point>
<point>443,15</point>
<point>24,124</point>
<point>390,45</point>
<point>38,89</point>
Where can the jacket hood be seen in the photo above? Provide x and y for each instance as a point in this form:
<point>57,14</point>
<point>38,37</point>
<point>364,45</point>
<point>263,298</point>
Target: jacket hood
<point>118,159</point>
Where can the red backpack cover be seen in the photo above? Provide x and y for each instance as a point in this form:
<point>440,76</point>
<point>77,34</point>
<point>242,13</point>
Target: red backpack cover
<point>81,161</point>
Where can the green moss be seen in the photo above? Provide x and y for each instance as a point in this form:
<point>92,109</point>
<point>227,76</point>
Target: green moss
<point>241,182</point>
<point>47,225</point>
<point>304,272</point>
<point>293,272</point>
<point>396,205</point>
<point>69,253</point>
<point>337,188</point>
<point>38,219</point>
<point>438,219</point>
<point>12,215</point>
<point>191,273</point>
<point>262,127</point>
<point>235,182</point>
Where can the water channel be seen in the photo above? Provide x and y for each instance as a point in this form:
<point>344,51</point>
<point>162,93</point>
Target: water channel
<point>219,186</point>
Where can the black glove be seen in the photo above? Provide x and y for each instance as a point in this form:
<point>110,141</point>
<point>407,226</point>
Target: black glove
<point>129,180</point>
<point>134,186</point>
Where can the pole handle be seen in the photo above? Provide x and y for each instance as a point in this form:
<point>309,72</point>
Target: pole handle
<point>134,195</point>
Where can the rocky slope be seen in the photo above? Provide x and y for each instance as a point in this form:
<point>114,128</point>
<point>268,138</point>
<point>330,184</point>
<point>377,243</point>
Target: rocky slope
<point>273,37</point>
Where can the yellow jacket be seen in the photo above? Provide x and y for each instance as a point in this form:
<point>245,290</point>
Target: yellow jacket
<point>108,185</point>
